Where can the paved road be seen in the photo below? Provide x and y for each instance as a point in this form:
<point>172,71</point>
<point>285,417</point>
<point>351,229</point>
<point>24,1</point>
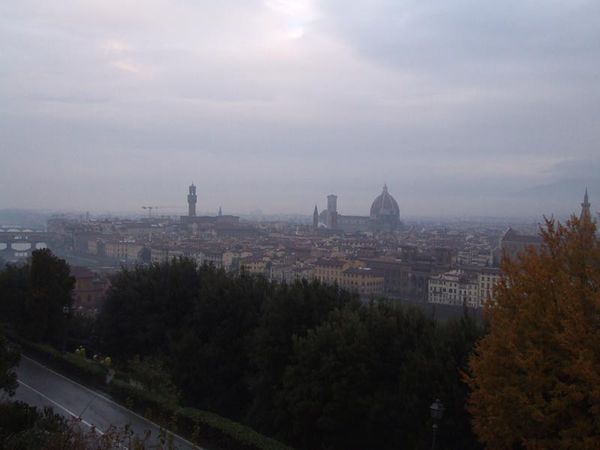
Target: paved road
<point>41,386</point>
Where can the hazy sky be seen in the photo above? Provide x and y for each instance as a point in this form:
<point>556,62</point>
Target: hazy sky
<point>462,107</point>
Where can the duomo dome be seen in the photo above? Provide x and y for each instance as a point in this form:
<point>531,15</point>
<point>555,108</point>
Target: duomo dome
<point>385,205</point>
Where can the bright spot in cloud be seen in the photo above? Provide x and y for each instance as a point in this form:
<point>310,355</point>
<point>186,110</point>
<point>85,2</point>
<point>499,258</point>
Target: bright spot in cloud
<point>126,67</point>
<point>295,15</point>
<point>295,32</point>
<point>297,9</point>
<point>116,47</point>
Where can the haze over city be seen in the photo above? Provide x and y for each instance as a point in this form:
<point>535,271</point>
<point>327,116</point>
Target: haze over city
<point>299,224</point>
<point>462,108</point>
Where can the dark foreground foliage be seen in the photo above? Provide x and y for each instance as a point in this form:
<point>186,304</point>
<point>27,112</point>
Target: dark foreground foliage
<point>33,297</point>
<point>9,358</point>
<point>24,427</point>
<point>303,362</point>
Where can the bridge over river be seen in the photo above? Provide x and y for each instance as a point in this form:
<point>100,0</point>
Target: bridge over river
<point>18,242</point>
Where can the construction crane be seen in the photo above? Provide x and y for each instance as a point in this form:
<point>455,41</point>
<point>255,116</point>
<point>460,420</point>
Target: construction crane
<point>150,208</point>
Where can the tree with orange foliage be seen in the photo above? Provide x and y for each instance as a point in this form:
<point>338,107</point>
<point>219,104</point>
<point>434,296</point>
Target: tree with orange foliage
<point>535,378</point>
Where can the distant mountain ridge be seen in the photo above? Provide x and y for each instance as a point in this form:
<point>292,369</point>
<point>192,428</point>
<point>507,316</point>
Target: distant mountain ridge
<point>24,217</point>
<point>563,196</point>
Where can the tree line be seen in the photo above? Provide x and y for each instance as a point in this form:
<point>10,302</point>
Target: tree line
<point>304,362</point>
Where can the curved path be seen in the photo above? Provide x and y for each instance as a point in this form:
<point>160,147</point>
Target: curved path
<point>40,386</point>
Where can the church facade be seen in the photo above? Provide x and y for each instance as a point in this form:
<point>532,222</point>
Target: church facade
<point>384,215</point>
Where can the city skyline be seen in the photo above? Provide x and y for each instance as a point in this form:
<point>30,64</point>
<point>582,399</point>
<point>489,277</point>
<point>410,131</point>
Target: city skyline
<point>321,206</point>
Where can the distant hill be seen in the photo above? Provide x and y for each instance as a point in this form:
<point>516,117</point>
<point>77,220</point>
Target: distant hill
<point>563,196</point>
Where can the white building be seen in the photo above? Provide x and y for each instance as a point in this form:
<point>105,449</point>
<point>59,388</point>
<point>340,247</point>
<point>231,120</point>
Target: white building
<point>160,254</point>
<point>288,273</point>
<point>454,288</point>
<point>460,288</point>
<point>487,280</point>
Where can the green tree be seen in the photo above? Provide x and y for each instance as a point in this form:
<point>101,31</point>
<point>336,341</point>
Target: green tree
<point>14,285</point>
<point>365,379</point>
<point>456,343</point>
<point>35,294</point>
<point>290,311</point>
<point>50,291</point>
<point>9,359</point>
<point>196,319</point>
<point>210,362</point>
<point>535,378</point>
<point>146,308</point>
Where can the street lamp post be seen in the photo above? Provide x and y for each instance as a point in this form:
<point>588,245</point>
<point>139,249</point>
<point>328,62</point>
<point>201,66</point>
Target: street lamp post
<point>437,412</point>
<point>65,311</point>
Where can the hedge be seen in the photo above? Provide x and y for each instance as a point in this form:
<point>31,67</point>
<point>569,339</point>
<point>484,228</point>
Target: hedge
<point>226,431</point>
<point>202,427</point>
<point>70,364</point>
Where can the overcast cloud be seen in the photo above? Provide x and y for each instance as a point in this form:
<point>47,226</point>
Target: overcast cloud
<point>462,107</point>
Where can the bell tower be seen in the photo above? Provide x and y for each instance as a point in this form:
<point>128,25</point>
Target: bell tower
<point>191,198</point>
<point>332,219</point>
